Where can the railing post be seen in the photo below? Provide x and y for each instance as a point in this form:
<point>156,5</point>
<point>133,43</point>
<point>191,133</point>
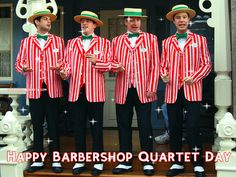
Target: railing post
<point>10,126</point>
<point>226,130</point>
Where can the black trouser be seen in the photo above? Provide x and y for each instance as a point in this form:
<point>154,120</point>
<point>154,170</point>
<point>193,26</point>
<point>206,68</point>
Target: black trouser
<point>81,109</point>
<point>175,114</point>
<point>124,114</point>
<point>39,108</point>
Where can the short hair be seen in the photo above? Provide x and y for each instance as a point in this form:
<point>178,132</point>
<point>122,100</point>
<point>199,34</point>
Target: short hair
<point>88,19</point>
<point>179,12</point>
<point>37,18</point>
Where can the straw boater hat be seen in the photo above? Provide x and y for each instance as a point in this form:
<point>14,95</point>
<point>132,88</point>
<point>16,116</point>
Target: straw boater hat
<point>43,12</point>
<point>132,12</point>
<point>88,15</point>
<point>180,8</point>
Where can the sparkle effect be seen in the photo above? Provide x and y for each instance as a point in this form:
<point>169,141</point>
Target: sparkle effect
<point>49,140</point>
<point>206,106</point>
<point>196,149</point>
<point>23,110</point>
<point>185,111</point>
<point>158,109</point>
<point>93,121</point>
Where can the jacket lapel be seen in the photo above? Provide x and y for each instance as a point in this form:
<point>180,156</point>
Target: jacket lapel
<point>35,41</point>
<point>188,40</point>
<point>126,41</point>
<point>93,42</point>
<point>79,44</point>
<point>139,40</point>
<point>175,43</point>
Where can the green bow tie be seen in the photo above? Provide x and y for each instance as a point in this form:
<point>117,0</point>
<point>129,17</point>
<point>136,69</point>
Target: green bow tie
<point>130,35</point>
<point>178,36</point>
<point>90,37</point>
<point>40,36</point>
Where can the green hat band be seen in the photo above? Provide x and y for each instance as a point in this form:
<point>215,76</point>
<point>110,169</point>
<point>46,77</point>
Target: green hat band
<point>88,15</point>
<point>180,7</point>
<point>42,12</point>
<point>133,13</point>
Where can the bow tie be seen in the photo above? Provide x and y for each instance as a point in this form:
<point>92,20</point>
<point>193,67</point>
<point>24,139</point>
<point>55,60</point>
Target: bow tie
<point>89,37</point>
<point>184,36</point>
<point>130,35</point>
<point>40,36</point>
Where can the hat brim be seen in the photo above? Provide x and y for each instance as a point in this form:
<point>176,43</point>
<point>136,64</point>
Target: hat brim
<point>77,18</point>
<point>52,17</point>
<point>171,14</point>
<point>143,16</point>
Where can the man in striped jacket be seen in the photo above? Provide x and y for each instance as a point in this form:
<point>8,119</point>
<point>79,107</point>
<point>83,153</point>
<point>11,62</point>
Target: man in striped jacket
<point>185,62</point>
<point>88,57</point>
<point>40,59</point>
<point>135,58</point>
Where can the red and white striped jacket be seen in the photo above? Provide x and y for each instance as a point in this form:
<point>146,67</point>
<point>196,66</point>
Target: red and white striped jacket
<point>195,61</point>
<point>40,60</point>
<point>144,58</point>
<point>94,78</point>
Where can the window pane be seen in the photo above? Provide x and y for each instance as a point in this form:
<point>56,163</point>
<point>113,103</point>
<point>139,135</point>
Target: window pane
<point>6,43</point>
<point>5,64</point>
<point>5,12</point>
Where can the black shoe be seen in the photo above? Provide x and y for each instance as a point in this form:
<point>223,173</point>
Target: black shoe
<point>148,172</point>
<point>32,169</point>
<point>96,172</point>
<point>200,174</point>
<point>57,169</point>
<point>77,171</point>
<point>174,172</point>
<point>121,170</point>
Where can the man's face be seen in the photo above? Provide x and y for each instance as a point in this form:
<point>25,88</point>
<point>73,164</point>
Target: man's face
<point>133,24</point>
<point>181,21</point>
<point>87,26</point>
<point>44,24</point>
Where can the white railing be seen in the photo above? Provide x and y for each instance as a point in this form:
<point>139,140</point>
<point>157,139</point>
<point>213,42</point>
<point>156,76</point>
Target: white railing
<point>16,130</point>
<point>224,122</point>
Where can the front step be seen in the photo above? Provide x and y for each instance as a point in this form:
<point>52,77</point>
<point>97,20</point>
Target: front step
<point>111,145</point>
<point>106,173</point>
<point>160,170</point>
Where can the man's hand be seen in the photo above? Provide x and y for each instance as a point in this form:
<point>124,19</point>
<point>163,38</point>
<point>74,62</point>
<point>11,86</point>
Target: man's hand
<point>150,94</point>
<point>121,68</point>
<point>56,68</point>
<point>63,74</point>
<point>188,80</point>
<point>91,57</point>
<point>165,78</point>
<point>27,69</point>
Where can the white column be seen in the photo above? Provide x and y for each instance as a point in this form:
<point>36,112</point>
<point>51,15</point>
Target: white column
<point>222,59</point>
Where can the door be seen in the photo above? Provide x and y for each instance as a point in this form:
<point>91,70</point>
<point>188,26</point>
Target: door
<point>113,26</point>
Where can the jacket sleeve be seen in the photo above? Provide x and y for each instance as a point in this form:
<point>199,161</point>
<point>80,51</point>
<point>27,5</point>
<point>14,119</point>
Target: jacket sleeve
<point>164,60</point>
<point>67,59</point>
<point>154,66</point>
<point>206,65</point>
<point>103,63</point>
<point>61,58</point>
<point>21,57</point>
<point>114,64</point>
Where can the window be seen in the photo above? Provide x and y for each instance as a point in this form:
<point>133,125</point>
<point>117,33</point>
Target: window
<point>6,42</point>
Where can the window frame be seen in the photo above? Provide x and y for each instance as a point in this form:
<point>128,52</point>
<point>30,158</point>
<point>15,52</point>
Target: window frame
<point>10,78</point>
